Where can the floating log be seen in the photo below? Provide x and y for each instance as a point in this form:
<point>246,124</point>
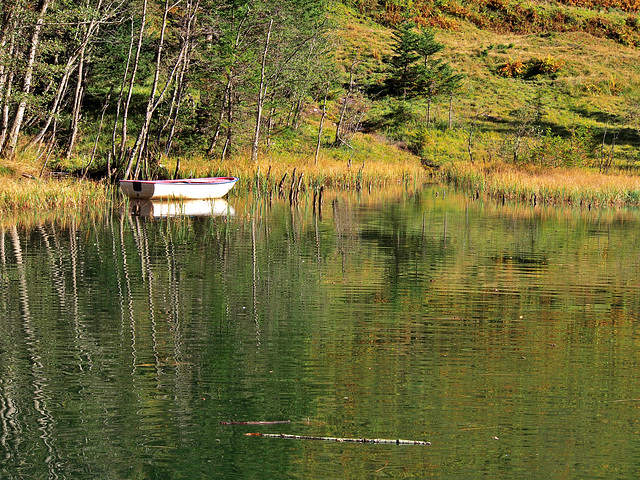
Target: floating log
<point>274,422</point>
<point>341,440</point>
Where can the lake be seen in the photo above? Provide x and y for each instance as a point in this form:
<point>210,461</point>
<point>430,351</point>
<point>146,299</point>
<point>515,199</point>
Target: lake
<point>505,335</point>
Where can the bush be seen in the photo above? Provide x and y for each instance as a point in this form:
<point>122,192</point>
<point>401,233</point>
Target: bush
<point>552,150</point>
<point>532,68</point>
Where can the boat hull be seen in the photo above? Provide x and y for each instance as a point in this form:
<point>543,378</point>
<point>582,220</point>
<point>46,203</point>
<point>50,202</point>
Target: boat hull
<point>190,189</point>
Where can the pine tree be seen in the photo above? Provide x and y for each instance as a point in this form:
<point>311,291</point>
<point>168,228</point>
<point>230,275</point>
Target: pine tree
<point>413,70</point>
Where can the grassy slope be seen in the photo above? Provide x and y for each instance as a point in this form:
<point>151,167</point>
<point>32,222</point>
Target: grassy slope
<point>594,96</point>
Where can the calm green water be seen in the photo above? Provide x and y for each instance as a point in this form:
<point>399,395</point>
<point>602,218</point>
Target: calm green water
<point>506,336</point>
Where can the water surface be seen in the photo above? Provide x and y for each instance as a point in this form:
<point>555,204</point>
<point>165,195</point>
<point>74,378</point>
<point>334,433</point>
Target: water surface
<point>504,335</point>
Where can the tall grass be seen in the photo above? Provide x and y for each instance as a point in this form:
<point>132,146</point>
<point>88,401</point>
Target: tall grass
<point>33,200</point>
<point>267,175</point>
<point>549,186</point>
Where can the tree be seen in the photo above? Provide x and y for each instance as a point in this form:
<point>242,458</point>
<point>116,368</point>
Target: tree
<point>413,72</point>
<point>402,64</point>
<point>436,79</point>
<point>18,118</point>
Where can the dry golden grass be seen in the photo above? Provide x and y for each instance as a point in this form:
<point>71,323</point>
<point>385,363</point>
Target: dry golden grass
<point>32,200</point>
<point>553,186</point>
<point>330,172</point>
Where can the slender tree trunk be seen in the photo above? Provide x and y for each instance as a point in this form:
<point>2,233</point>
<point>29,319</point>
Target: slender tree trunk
<point>223,109</point>
<point>69,68</point>
<point>180,84</point>
<point>125,114</point>
<point>5,89</point>
<point>95,143</point>
<point>261,94</point>
<point>114,153</point>
<point>226,96</point>
<point>343,110</point>
<point>28,78</point>
<point>53,111</point>
<point>77,102</point>
<point>324,113</point>
<point>227,142</point>
<point>270,123</point>
<point>297,119</point>
<point>140,147</point>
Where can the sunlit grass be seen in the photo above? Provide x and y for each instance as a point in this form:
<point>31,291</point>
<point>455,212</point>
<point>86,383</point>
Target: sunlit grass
<point>33,200</point>
<point>370,171</point>
<point>552,186</point>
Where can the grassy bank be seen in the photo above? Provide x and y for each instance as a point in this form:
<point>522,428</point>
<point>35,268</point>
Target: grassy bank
<point>29,201</point>
<point>272,170</point>
<point>568,186</point>
<point>29,197</point>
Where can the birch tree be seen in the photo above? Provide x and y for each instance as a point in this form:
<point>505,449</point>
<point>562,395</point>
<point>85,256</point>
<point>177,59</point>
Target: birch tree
<point>261,94</point>
<point>9,149</point>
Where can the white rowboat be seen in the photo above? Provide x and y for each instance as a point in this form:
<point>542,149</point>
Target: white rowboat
<point>187,188</point>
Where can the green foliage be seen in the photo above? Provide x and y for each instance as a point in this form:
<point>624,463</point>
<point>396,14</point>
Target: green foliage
<point>501,48</point>
<point>552,150</point>
<point>413,72</point>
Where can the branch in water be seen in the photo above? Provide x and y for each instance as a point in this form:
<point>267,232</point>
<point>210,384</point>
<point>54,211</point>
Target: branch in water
<point>334,439</point>
<point>256,423</point>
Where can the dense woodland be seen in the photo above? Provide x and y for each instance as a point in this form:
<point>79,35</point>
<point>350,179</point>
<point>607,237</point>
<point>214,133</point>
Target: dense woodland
<point>109,88</point>
<point>146,76</point>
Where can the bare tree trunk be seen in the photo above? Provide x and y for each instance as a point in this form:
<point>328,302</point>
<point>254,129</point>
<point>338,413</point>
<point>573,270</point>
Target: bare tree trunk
<point>6,69</point>
<point>324,114</point>
<point>261,94</point>
<point>62,88</point>
<point>28,78</point>
<point>140,147</point>
<point>77,101</point>
<point>125,114</point>
<point>95,144</point>
<point>216,134</point>
<point>297,119</point>
<point>174,118</point>
<point>180,84</point>
<point>70,67</point>
<point>270,123</point>
<point>337,141</point>
<point>7,83</point>
<point>226,96</point>
<point>120,95</point>
<point>227,142</point>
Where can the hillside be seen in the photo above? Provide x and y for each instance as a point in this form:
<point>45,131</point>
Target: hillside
<point>582,107</point>
<point>117,90</point>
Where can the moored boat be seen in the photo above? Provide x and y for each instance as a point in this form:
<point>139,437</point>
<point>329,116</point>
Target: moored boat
<point>187,188</point>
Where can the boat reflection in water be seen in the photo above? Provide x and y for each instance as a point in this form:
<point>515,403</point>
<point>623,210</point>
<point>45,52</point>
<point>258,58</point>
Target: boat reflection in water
<point>191,208</point>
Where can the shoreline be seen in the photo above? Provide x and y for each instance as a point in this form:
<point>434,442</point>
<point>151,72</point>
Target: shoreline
<point>27,200</point>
